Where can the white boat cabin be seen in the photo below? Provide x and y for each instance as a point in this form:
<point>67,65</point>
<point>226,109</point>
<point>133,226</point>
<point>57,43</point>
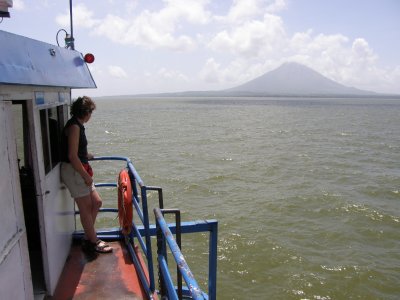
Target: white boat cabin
<point>36,209</point>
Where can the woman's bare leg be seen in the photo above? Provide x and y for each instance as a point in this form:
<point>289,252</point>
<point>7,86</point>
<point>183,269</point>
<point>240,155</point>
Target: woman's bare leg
<point>85,206</point>
<point>96,204</point>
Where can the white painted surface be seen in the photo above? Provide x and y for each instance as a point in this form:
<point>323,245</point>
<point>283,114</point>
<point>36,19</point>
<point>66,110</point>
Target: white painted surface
<point>59,225</point>
<point>55,205</point>
<point>56,208</point>
<point>15,282</point>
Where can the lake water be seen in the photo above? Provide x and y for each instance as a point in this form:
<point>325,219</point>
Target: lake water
<point>306,191</point>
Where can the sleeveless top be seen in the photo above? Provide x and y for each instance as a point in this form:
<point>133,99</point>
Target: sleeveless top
<point>82,147</point>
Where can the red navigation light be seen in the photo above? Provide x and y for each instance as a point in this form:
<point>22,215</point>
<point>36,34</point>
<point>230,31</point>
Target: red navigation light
<point>89,58</point>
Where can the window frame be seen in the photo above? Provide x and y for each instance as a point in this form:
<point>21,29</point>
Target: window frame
<point>51,137</point>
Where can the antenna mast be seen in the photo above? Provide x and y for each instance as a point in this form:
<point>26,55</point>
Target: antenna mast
<point>71,38</point>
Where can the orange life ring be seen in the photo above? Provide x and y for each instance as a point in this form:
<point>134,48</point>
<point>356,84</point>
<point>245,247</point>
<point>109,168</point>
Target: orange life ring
<point>125,209</point>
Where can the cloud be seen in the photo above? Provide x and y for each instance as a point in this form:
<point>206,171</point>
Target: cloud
<point>251,38</point>
<point>247,41</point>
<point>149,29</point>
<point>18,5</point>
<point>237,71</point>
<point>241,10</point>
<point>276,6</point>
<point>211,72</point>
<point>146,31</point>
<point>160,28</point>
<point>171,75</point>
<point>192,11</point>
<point>260,44</point>
<point>131,5</point>
<point>244,10</point>
<point>116,71</point>
<point>337,57</point>
<point>159,81</point>
<point>83,17</point>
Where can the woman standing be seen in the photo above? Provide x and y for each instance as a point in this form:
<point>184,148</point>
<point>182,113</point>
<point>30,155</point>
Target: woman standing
<point>77,174</point>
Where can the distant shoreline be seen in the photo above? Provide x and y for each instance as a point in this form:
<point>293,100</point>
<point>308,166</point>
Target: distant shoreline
<point>252,95</point>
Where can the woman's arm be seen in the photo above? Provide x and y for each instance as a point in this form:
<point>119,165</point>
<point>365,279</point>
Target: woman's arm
<point>73,144</point>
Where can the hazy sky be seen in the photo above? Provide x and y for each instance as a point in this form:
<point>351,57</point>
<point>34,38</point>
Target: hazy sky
<point>153,46</point>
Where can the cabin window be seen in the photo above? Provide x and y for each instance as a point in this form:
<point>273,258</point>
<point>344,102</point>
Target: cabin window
<point>52,122</point>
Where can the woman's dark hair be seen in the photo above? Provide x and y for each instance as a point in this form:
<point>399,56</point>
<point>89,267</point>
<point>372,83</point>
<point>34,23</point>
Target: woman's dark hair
<point>82,106</point>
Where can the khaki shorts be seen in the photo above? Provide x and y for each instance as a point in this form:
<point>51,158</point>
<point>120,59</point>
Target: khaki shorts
<point>74,181</point>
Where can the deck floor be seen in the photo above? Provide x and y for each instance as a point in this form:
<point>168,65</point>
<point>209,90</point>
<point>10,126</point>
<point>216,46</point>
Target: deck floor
<point>109,276</point>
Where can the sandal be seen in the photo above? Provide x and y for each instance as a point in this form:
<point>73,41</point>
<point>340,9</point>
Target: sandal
<point>102,247</point>
<point>101,243</point>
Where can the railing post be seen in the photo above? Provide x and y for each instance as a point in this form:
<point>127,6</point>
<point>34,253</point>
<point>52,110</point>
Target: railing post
<point>160,251</point>
<point>179,242</point>
<point>212,267</point>
<point>166,238</point>
<point>183,268</point>
<point>178,233</point>
<point>147,235</point>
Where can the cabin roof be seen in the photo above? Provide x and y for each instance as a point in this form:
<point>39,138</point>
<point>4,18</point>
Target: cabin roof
<point>24,61</point>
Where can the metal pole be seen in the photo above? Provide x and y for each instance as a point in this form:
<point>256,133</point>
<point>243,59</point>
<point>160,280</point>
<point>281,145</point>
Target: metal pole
<point>178,232</point>
<point>213,258</point>
<point>147,236</point>
<point>191,282</point>
<point>72,26</point>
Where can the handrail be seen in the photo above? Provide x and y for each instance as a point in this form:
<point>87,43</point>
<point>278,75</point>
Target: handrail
<point>143,234</point>
<point>183,267</point>
<point>161,249</point>
<point>143,215</point>
<point>128,162</point>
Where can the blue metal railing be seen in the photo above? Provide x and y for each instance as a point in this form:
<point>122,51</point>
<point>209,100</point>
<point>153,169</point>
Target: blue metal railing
<point>164,234</point>
<point>145,231</point>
